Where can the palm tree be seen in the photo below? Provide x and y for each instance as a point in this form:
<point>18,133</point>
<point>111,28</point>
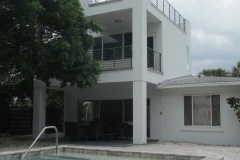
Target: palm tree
<point>236,70</point>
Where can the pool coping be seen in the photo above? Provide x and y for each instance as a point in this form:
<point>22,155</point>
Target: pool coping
<point>100,151</point>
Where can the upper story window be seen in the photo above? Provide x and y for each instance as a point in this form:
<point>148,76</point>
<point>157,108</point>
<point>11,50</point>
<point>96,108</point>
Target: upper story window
<point>202,110</point>
<point>113,47</point>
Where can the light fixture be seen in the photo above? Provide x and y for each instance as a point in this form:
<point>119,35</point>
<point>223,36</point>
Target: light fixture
<point>118,21</point>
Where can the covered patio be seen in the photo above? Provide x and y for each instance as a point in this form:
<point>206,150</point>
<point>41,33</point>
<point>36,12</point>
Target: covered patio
<point>104,112</point>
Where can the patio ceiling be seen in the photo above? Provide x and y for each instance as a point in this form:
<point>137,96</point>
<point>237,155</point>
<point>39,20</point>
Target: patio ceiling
<point>108,20</point>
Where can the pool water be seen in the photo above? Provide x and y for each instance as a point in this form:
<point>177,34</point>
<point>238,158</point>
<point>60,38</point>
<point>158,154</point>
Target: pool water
<point>79,156</point>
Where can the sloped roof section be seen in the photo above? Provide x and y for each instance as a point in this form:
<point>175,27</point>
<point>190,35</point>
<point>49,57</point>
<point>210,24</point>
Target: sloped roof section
<point>196,81</point>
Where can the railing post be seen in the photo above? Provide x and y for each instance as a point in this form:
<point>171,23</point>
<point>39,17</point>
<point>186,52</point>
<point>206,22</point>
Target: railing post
<point>163,5</point>
<point>184,25</point>
<point>174,16</point>
<point>114,58</point>
<point>169,11</point>
<point>179,21</point>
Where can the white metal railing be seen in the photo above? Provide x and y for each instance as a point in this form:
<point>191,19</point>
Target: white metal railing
<point>48,127</point>
<point>166,8</point>
<point>154,60</point>
<point>99,1</point>
<point>113,58</point>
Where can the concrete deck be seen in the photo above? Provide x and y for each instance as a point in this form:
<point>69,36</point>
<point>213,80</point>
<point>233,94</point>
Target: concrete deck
<point>212,152</point>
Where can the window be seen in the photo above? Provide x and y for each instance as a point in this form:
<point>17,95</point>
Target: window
<point>97,48</point>
<point>88,111</point>
<point>202,110</point>
<point>113,47</point>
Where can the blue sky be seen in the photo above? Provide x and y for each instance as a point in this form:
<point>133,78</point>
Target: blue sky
<point>215,32</point>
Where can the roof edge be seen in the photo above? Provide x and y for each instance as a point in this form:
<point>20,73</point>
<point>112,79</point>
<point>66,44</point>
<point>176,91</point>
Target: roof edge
<point>201,85</point>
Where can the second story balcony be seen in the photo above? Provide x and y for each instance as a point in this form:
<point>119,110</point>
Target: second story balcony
<point>120,58</point>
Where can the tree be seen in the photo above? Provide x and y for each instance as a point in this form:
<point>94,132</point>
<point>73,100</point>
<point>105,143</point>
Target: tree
<point>215,72</point>
<point>236,70</point>
<point>234,103</point>
<point>48,39</point>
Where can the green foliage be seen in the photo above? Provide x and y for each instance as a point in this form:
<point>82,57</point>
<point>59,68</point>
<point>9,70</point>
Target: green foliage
<point>235,104</point>
<point>54,109</point>
<point>46,38</point>
<point>215,72</point>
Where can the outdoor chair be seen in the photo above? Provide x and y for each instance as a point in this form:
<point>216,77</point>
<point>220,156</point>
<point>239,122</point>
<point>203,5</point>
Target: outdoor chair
<point>76,132</point>
<point>116,131</point>
<point>96,132</point>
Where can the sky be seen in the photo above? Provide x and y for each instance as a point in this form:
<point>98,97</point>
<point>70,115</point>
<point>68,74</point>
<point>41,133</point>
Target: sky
<point>215,32</point>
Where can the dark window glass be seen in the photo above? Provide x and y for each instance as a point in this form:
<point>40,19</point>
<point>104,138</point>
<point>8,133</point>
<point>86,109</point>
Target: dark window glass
<point>150,53</point>
<point>216,121</point>
<point>88,111</point>
<point>97,48</point>
<point>128,45</point>
<point>187,110</point>
<point>111,111</point>
<point>128,108</point>
<point>112,47</point>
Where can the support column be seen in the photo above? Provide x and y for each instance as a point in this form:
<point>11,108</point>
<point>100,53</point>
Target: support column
<point>39,108</point>
<point>139,112</point>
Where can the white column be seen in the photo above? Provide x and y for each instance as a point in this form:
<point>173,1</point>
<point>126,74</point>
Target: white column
<point>139,30</point>
<point>139,112</point>
<point>39,108</point>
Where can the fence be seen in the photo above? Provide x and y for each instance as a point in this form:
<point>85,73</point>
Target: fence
<point>16,121</point>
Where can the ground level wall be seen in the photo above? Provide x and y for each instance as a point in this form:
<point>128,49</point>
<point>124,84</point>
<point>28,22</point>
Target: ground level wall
<point>173,128</point>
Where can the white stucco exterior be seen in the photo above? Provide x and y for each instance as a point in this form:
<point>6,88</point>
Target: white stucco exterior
<point>173,126</point>
<point>139,82</point>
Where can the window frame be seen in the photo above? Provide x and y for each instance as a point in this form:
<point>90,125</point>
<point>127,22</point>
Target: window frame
<point>123,54</point>
<point>199,127</point>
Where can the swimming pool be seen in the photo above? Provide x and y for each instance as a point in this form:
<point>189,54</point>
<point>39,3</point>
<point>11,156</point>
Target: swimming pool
<point>78,156</point>
<point>82,153</point>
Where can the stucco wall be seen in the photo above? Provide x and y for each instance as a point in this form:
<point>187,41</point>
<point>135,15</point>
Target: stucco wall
<point>171,42</point>
<point>174,130</point>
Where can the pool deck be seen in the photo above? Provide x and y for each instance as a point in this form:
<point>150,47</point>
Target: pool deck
<point>212,152</point>
<point>171,148</point>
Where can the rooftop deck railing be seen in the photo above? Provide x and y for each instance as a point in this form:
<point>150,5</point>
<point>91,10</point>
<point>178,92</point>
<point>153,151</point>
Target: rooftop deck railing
<point>165,7</point>
<point>99,1</point>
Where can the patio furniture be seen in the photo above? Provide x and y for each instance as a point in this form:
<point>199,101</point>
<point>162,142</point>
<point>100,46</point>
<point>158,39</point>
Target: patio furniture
<point>117,131</point>
<point>66,129</point>
<point>96,132</point>
<point>76,131</point>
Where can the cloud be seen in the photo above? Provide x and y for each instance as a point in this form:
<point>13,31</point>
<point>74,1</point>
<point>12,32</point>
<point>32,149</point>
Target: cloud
<point>215,32</point>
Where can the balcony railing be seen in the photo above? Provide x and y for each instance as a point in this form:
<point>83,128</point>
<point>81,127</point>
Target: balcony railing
<point>154,60</point>
<point>165,7</point>
<point>114,58</point>
<point>121,58</point>
<point>99,1</point>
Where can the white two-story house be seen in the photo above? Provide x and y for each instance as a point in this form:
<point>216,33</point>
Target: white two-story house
<point>145,55</point>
